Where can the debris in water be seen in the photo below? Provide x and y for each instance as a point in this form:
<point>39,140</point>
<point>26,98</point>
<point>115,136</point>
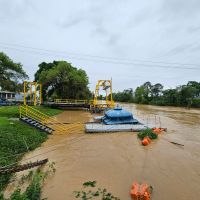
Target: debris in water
<point>13,169</point>
<point>176,143</point>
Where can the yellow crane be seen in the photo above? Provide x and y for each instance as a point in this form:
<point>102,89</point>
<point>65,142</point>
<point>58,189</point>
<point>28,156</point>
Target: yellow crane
<point>96,104</point>
<point>30,91</point>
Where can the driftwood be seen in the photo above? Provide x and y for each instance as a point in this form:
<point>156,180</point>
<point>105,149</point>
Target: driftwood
<point>13,169</point>
<point>176,143</point>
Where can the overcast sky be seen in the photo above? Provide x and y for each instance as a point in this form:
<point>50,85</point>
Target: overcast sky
<point>135,34</point>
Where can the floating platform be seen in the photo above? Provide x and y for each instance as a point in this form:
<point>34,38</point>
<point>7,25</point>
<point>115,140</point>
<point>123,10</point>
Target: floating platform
<point>102,128</point>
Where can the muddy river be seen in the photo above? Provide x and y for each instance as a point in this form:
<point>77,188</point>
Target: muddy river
<point>115,160</point>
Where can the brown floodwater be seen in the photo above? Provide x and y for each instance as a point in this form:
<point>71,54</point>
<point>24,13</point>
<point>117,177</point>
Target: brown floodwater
<point>115,160</point>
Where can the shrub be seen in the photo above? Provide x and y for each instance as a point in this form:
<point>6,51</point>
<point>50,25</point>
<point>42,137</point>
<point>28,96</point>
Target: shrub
<point>148,132</point>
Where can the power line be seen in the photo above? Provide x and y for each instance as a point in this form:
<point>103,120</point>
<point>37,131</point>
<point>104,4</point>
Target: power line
<point>105,59</point>
<point>96,56</point>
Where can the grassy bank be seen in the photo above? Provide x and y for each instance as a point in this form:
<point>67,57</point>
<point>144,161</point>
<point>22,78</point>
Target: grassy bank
<point>16,136</point>
<point>13,111</point>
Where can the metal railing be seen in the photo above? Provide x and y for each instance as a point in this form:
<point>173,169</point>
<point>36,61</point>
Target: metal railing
<point>102,103</point>
<point>95,103</point>
<point>44,119</point>
<point>71,101</point>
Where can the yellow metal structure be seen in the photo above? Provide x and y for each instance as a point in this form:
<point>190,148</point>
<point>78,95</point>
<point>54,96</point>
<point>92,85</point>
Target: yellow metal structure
<point>30,90</point>
<point>106,85</point>
<point>44,119</point>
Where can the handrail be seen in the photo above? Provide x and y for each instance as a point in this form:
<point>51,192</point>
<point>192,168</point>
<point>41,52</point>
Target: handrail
<point>42,118</point>
<point>76,101</point>
<point>102,103</point>
<point>28,111</point>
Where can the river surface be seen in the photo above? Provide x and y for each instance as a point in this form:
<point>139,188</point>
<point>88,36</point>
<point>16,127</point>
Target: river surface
<point>116,160</point>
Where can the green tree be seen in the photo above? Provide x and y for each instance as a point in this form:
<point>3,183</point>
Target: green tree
<point>156,89</point>
<point>140,94</point>
<point>170,97</point>
<point>61,80</point>
<point>11,73</point>
<point>125,96</point>
<point>187,93</point>
<point>196,85</point>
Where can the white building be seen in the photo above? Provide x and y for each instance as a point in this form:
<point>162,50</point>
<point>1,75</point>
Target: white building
<point>7,95</point>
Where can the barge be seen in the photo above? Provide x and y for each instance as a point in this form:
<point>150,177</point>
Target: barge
<point>115,120</point>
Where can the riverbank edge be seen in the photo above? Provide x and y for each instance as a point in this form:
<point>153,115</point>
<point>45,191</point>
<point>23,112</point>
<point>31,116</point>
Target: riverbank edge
<point>17,138</point>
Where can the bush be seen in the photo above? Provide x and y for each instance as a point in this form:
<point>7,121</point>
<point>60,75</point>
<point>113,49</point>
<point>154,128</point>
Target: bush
<point>196,103</point>
<point>148,132</point>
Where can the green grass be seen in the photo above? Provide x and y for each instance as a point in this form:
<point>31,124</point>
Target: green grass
<point>13,111</point>
<point>4,121</point>
<point>9,111</point>
<point>15,135</point>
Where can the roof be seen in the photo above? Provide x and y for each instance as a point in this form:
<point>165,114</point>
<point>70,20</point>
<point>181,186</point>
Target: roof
<point>118,112</point>
<point>6,92</point>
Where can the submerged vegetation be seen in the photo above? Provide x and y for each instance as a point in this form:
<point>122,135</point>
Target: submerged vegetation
<point>147,133</point>
<point>185,95</point>
<point>35,180</point>
<point>90,191</point>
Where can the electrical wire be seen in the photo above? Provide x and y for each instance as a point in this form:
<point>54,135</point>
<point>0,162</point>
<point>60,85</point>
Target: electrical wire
<point>96,56</point>
<point>151,64</point>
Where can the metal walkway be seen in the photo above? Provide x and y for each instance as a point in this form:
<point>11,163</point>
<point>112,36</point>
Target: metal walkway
<point>70,103</point>
<point>44,122</point>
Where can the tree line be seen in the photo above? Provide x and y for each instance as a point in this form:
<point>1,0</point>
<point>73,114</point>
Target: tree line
<point>62,80</point>
<point>184,95</point>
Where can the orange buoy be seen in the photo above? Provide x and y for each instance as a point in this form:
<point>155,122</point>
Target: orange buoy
<point>146,196</point>
<point>134,191</point>
<point>157,130</point>
<point>146,141</point>
<point>140,192</point>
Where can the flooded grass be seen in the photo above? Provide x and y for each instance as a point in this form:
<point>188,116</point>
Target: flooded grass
<point>16,137</point>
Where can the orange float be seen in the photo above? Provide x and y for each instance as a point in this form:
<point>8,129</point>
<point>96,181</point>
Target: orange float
<point>158,130</point>
<point>146,141</point>
<point>140,191</point>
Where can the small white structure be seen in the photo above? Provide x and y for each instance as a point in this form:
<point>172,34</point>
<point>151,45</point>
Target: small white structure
<point>7,95</point>
<point>11,96</point>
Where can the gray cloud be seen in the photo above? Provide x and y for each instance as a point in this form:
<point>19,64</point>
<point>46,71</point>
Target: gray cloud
<point>70,21</point>
<point>156,30</point>
<point>193,29</point>
<point>180,49</point>
<point>173,9</point>
<point>15,9</point>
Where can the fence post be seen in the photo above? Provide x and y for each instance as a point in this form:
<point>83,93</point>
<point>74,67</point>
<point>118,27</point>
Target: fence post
<point>26,110</point>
